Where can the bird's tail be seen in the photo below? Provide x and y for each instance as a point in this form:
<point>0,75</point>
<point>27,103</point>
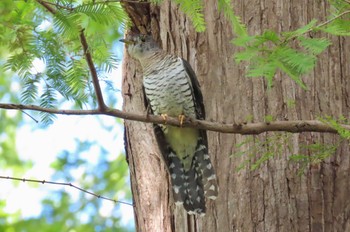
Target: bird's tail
<point>190,186</point>
<point>187,186</point>
<point>205,169</point>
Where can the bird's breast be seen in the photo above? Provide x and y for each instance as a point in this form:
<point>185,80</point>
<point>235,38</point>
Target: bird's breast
<point>169,91</point>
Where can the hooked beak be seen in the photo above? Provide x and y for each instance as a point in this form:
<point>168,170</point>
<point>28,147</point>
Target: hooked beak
<point>126,41</point>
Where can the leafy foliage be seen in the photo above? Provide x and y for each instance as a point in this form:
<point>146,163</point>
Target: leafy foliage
<point>193,9</point>
<point>237,26</point>
<point>292,52</point>
<point>268,53</point>
<point>55,42</point>
<point>252,150</point>
<point>316,153</point>
<point>338,125</point>
<point>256,152</point>
<point>41,57</point>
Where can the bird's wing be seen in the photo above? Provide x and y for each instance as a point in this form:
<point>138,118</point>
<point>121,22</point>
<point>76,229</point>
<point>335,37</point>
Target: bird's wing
<point>196,91</point>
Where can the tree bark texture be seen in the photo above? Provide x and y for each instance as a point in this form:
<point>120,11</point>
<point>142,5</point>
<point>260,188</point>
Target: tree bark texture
<point>274,197</point>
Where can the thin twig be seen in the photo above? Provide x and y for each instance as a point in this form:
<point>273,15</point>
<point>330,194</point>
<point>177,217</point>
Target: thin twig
<point>47,6</point>
<point>30,116</point>
<point>329,21</point>
<point>58,5</point>
<point>318,26</point>
<point>296,126</point>
<point>65,184</point>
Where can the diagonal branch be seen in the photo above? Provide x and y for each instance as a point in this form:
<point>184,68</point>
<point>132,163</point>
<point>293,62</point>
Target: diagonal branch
<point>296,126</point>
<point>101,105</point>
<point>95,81</point>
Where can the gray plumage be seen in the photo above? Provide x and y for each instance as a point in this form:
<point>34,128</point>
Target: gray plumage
<point>172,89</point>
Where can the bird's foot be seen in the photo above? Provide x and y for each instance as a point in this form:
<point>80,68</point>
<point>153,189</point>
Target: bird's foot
<point>181,118</point>
<point>165,117</point>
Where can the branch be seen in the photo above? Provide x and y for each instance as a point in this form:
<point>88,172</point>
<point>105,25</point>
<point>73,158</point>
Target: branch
<point>47,6</point>
<point>56,5</point>
<point>296,126</point>
<point>93,71</point>
<point>330,20</point>
<point>65,184</point>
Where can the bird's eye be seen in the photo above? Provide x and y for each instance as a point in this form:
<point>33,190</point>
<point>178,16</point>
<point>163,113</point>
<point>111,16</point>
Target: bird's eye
<point>143,38</point>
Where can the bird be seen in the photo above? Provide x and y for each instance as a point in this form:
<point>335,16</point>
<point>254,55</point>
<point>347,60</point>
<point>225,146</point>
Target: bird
<point>172,90</point>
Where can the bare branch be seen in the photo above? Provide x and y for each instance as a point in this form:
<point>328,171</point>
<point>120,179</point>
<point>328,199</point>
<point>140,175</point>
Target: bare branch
<point>47,6</point>
<point>93,71</point>
<point>65,184</point>
<point>56,5</point>
<point>296,126</point>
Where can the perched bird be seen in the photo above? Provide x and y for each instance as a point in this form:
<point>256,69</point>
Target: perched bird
<point>172,89</point>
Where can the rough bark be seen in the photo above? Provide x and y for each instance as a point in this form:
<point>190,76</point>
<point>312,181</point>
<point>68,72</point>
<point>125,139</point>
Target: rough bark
<point>273,197</point>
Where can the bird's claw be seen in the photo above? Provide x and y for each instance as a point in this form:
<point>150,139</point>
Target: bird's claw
<point>165,117</point>
<point>181,118</point>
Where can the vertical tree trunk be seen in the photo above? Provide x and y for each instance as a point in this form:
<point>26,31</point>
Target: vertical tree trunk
<point>273,197</point>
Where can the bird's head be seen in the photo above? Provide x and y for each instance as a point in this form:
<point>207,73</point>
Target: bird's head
<point>140,46</point>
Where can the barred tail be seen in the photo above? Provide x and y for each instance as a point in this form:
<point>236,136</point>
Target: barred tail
<point>195,201</point>
<point>206,170</point>
<point>190,186</point>
<point>187,186</point>
<point>178,178</point>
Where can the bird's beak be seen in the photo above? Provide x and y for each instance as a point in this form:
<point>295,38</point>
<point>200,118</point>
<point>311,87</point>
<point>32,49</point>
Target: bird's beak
<point>126,41</point>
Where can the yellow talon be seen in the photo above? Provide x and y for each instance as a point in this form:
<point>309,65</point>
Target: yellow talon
<point>165,117</point>
<point>181,119</point>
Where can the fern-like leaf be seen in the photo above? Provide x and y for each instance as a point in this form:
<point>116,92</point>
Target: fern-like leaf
<point>238,27</point>
<point>338,27</point>
<point>194,10</point>
<point>48,100</point>
<point>314,45</point>
<point>30,89</point>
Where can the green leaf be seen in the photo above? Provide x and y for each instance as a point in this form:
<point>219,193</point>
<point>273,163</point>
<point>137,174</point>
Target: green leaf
<point>237,26</point>
<point>301,30</point>
<point>314,45</point>
<point>269,35</point>
<point>30,90</point>
<point>246,55</point>
<point>243,41</point>
<point>48,100</point>
<point>338,27</point>
<point>263,68</point>
<point>194,10</point>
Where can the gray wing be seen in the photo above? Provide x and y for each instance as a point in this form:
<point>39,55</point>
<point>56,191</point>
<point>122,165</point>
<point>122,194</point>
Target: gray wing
<point>201,160</point>
<point>197,94</point>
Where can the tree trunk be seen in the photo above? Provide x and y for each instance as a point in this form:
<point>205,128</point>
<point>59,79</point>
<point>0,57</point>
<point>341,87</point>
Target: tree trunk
<point>274,197</point>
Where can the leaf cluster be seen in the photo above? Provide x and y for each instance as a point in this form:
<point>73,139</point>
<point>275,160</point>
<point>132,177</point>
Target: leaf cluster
<point>314,154</point>
<point>256,152</point>
<point>338,125</point>
<point>31,34</point>
<point>293,53</point>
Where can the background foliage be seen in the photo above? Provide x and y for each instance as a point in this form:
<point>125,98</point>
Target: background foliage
<point>30,34</point>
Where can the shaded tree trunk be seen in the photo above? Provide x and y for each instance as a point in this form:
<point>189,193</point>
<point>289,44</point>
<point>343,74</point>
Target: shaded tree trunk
<point>273,197</point>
